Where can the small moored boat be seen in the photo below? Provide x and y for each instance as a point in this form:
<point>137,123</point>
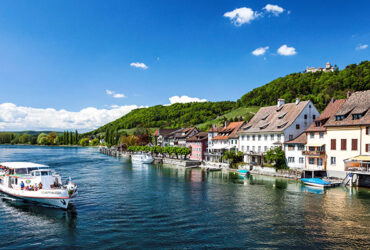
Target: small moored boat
<point>36,183</point>
<point>142,158</point>
<point>243,174</point>
<point>316,182</point>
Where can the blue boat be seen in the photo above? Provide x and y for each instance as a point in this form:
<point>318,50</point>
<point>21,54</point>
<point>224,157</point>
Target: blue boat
<point>316,182</point>
<point>243,174</point>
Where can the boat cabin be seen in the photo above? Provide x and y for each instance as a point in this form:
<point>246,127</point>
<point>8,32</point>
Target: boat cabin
<point>28,176</point>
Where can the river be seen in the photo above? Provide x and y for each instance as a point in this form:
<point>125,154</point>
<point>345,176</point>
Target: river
<point>121,205</point>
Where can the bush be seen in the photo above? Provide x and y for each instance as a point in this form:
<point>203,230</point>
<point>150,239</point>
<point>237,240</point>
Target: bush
<point>276,157</point>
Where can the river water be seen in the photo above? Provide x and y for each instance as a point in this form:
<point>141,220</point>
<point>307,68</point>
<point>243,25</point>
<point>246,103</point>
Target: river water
<point>121,205</point>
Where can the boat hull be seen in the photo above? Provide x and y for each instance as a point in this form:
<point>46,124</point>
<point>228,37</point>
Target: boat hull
<point>316,185</point>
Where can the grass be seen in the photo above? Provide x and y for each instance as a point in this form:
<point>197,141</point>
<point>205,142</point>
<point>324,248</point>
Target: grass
<point>242,111</point>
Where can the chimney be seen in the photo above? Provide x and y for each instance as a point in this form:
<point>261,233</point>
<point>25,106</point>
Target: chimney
<point>280,102</point>
<point>348,94</point>
<point>297,101</point>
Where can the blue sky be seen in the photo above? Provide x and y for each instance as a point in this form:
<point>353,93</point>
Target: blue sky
<point>75,57</point>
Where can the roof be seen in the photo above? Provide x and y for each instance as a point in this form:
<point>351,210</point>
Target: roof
<point>182,132</point>
<point>164,132</point>
<point>214,129</point>
<point>359,158</point>
<point>199,137</point>
<point>230,131</point>
<point>274,119</point>
<point>22,165</point>
<point>301,139</point>
<point>329,111</point>
<point>356,104</point>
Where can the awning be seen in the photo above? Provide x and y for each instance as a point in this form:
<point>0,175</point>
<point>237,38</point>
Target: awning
<point>230,147</point>
<point>315,144</point>
<point>359,158</point>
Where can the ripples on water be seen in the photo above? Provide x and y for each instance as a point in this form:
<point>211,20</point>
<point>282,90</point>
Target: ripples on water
<point>138,206</point>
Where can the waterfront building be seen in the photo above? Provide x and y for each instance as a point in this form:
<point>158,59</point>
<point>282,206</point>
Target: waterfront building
<point>328,68</point>
<point>272,126</point>
<point>161,137</point>
<point>293,152</point>
<point>178,137</point>
<point>315,148</point>
<point>221,140</point>
<point>348,136</point>
<point>198,144</point>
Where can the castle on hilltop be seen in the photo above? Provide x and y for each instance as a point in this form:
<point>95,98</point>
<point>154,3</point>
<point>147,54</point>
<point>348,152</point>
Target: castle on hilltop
<point>328,68</point>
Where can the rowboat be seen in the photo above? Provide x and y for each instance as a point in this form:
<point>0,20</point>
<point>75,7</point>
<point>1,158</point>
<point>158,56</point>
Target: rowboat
<point>316,182</point>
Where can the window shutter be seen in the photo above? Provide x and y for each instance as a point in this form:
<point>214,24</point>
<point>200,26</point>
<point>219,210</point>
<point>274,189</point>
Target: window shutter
<point>333,144</point>
<point>343,145</point>
<point>367,130</point>
<point>354,144</point>
<point>367,147</point>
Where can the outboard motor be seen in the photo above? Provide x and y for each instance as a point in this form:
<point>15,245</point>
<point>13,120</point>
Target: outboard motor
<point>71,188</point>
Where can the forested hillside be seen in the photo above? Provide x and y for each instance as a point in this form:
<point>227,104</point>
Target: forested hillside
<point>319,87</point>
<point>172,116</point>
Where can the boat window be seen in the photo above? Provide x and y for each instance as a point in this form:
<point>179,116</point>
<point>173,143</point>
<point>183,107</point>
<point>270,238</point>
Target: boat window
<point>44,173</point>
<point>31,169</point>
<point>21,171</point>
<point>37,173</point>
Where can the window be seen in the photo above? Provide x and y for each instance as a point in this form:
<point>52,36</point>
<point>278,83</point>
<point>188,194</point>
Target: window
<point>321,135</point>
<point>333,160</point>
<point>242,137</point>
<point>243,148</point>
<point>265,136</point>
<point>272,136</point>
<point>314,117</point>
<point>301,160</point>
<point>253,148</point>
<point>300,147</point>
<point>343,144</point>
<point>248,137</point>
<point>253,137</point>
<point>305,117</point>
<point>339,117</point>
<point>247,148</point>
<point>311,160</point>
<point>279,137</point>
<point>367,147</point>
<point>319,162</point>
<point>265,149</point>
<point>259,137</point>
<point>290,147</point>
<point>367,130</point>
<point>317,124</point>
<point>297,126</point>
<point>259,148</point>
<point>37,173</point>
<point>290,137</point>
<point>291,159</point>
<point>333,145</point>
<point>312,135</point>
<point>309,106</point>
<point>354,144</point>
<point>356,116</point>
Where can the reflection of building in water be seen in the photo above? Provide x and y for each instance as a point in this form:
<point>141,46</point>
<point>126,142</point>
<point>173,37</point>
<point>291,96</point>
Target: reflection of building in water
<point>336,217</point>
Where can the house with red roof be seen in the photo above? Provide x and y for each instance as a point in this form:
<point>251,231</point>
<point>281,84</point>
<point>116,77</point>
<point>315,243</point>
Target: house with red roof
<point>222,139</point>
<point>198,144</point>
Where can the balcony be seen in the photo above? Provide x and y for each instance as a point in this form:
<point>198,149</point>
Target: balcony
<point>313,153</point>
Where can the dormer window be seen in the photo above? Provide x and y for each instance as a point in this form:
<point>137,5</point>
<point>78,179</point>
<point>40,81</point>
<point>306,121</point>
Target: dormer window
<point>318,124</point>
<point>282,125</point>
<point>265,117</point>
<point>356,116</point>
<point>339,117</point>
<point>264,126</point>
<point>282,116</point>
<point>246,128</point>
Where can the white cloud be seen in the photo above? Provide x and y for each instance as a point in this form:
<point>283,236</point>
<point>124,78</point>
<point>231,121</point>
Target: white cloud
<point>274,9</point>
<point>114,94</point>
<point>241,15</point>
<point>13,117</point>
<point>185,99</point>
<point>362,46</point>
<point>260,51</point>
<point>139,65</point>
<point>286,51</point>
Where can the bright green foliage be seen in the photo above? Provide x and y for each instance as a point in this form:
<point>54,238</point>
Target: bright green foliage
<point>169,151</point>
<point>24,139</point>
<point>233,158</point>
<point>173,116</point>
<point>318,87</point>
<point>94,142</point>
<point>84,142</point>
<point>276,156</point>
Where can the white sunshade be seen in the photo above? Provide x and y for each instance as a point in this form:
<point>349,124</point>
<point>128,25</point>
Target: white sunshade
<point>219,146</point>
<point>315,144</point>
<point>230,147</point>
<point>15,165</point>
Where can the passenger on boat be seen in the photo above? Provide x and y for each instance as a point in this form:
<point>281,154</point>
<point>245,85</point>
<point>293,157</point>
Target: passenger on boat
<point>56,183</point>
<point>40,185</point>
<point>22,185</point>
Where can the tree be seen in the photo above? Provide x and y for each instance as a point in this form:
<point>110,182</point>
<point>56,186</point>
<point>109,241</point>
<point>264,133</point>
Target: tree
<point>94,142</point>
<point>233,158</point>
<point>276,156</point>
<point>39,138</point>
<point>25,139</point>
<point>84,142</point>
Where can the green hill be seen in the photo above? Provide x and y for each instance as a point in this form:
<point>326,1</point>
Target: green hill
<point>172,116</point>
<point>319,87</point>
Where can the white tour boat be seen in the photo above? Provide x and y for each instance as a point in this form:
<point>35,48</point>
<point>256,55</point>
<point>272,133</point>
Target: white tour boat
<point>36,183</point>
<point>142,158</point>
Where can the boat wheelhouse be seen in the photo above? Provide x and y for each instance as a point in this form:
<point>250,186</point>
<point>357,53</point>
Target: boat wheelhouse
<point>35,182</point>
